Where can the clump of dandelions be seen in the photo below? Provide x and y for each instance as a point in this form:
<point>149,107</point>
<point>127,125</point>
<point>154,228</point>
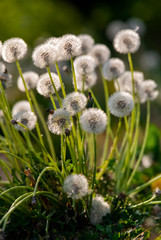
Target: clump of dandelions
<point>126,41</point>
<point>101,53</point>
<point>59,121</point>
<point>44,84</point>
<point>76,186</point>
<point>21,106</point>
<point>14,49</point>
<point>70,46</point>
<point>87,42</point>
<point>30,78</point>
<point>113,69</point>
<point>147,91</point>
<point>99,209</point>
<point>84,64</point>
<point>44,55</point>
<point>74,102</point>
<point>120,104</point>
<point>28,119</point>
<point>93,120</point>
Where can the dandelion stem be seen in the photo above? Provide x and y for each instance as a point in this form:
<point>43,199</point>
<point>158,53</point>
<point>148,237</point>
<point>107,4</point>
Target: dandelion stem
<point>144,203</point>
<point>74,76</point>
<point>60,78</point>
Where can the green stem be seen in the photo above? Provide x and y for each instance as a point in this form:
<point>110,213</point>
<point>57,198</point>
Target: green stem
<point>132,75</point>
<point>143,203</point>
<point>74,76</point>
<point>60,78</point>
<point>53,102</point>
<point>63,149</point>
<point>95,99</point>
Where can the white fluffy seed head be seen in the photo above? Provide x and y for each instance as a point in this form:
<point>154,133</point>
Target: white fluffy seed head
<point>126,41</point>
<point>76,186</point>
<point>28,119</point>
<point>93,120</point>
<point>147,91</point>
<point>99,209</point>
<point>0,48</point>
<point>70,46</point>
<point>87,42</point>
<point>59,121</point>
<point>120,104</point>
<point>3,68</point>
<point>84,64</point>
<point>30,78</point>
<point>44,84</point>
<point>74,102</point>
<point>89,80</point>
<point>21,106</point>
<point>101,53</point>
<point>44,55</point>
<point>14,49</point>
<point>113,69</point>
<point>54,41</point>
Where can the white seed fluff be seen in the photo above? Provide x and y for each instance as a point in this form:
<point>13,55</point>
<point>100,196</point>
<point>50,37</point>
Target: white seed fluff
<point>2,67</point>
<point>14,49</point>
<point>59,121</point>
<point>21,106</point>
<point>53,41</point>
<point>147,91</point>
<point>99,209</point>
<point>84,64</point>
<point>44,55</point>
<point>0,48</point>
<point>76,186</point>
<point>28,119</point>
<point>101,53</point>
<point>87,42</point>
<point>113,69</point>
<point>6,80</point>
<point>120,104</point>
<point>70,46</point>
<point>89,80</point>
<point>93,120</point>
<point>30,78</point>
<point>74,102</point>
<point>44,85</point>
<point>126,41</point>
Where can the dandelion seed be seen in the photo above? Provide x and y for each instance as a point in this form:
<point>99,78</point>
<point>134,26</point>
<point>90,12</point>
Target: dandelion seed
<point>126,41</point>
<point>99,209</point>
<point>30,78</point>
<point>120,104</point>
<point>93,120</point>
<point>101,53</point>
<point>59,121</point>
<point>45,55</point>
<point>44,85</point>
<point>70,46</point>
<point>113,69</point>
<point>14,49</point>
<point>89,80</point>
<point>75,102</point>
<point>84,65</point>
<point>147,91</point>
<point>76,186</point>
<point>21,106</point>
<point>28,119</point>
<point>87,43</point>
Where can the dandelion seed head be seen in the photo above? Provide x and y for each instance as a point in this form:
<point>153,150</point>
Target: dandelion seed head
<point>74,102</point>
<point>44,55</point>
<point>126,41</point>
<point>84,64</point>
<point>76,186</point>
<point>120,104</point>
<point>30,78</point>
<point>147,91</point>
<point>2,67</point>
<point>99,209</point>
<point>21,106</point>
<point>70,46</point>
<point>44,85</point>
<point>59,121</point>
<point>101,53</point>
<point>6,80</point>
<point>53,41</point>
<point>89,80</point>
<point>113,69</point>
<point>147,161</point>
<point>87,42</point>
<point>28,119</point>
<point>93,120</point>
<point>14,49</point>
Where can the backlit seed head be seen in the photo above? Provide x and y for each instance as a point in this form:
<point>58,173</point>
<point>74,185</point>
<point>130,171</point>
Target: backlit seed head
<point>28,119</point>
<point>126,41</point>
<point>89,80</point>
<point>147,91</point>
<point>44,55</point>
<point>87,42</point>
<point>54,41</point>
<point>113,69</point>
<point>84,64</point>
<point>14,49</point>
<point>74,102</point>
<point>30,78</point>
<point>120,104</point>
<point>21,106</point>
<point>44,84</point>
<point>93,120</point>
<point>76,186</point>
<point>101,53</point>
<point>59,121</point>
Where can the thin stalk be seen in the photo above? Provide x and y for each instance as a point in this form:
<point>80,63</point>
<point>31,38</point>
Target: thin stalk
<point>53,102</point>
<point>144,203</point>
<point>61,81</point>
<point>95,99</point>
<point>74,76</point>
<point>132,75</point>
<point>63,150</point>
<point>83,83</point>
